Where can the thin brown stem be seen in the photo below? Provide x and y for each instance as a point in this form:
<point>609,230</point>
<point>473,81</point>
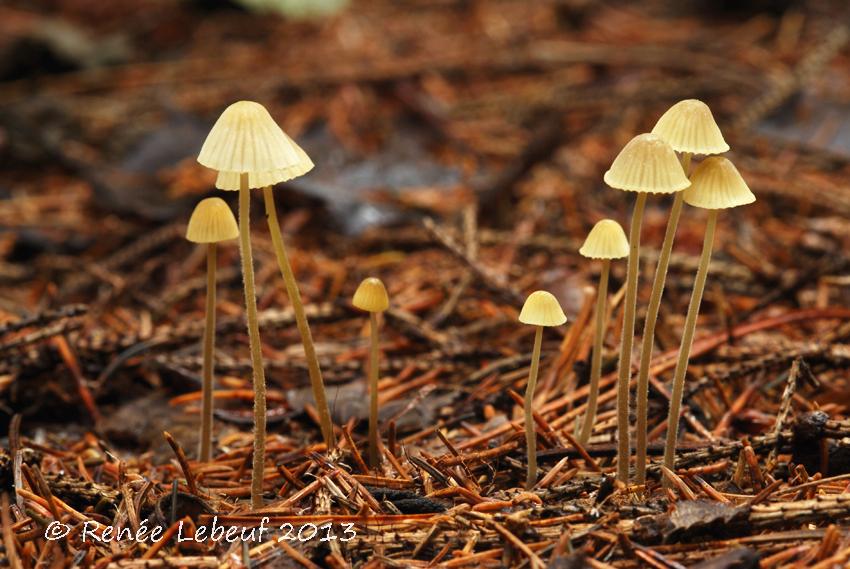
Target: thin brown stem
<point>259,456</point>
<point>313,368</point>
<point>205,449</point>
<point>596,359</point>
<point>649,338</point>
<point>625,363</point>
<point>649,329</point>
<point>530,433</point>
<point>688,341</point>
<point>374,452</point>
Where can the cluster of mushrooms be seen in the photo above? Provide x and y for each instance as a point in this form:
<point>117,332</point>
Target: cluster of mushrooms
<point>658,162</point>
<point>249,150</point>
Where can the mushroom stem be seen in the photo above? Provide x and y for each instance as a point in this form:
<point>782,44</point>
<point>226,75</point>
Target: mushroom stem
<point>374,457</point>
<point>648,340</point>
<point>596,361</point>
<point>530,433</point>
<point>687,342</point>
<point>313,368</point>
<point>625,363</point>
<point>259,457</point>
<point>205,445</point>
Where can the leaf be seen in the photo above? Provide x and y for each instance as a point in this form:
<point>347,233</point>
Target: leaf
<point>701,516</point>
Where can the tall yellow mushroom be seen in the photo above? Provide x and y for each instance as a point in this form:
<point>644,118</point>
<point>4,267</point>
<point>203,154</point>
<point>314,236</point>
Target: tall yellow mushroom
<point>371,296</point>
<point>541,309</point>
<point>249,150</point>
<point>715,185</point>
<point>211,223</point>
<point>645,165</point>
<point>606,241</point>
<point>688,127</point>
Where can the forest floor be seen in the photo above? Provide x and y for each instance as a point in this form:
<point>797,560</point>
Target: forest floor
<point>460,148</point>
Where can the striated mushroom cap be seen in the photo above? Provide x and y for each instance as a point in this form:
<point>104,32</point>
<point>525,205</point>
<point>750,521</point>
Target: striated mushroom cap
<point>716,184</point>
<point>371,296</point>
<point>688,126</point>
<point>606,240</point>
<point>541,308</point>
<point>647,164</point>
<point>245,138</point>
<point>211,222</point>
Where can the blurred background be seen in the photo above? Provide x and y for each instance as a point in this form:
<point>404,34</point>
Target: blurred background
<point>497,118</point>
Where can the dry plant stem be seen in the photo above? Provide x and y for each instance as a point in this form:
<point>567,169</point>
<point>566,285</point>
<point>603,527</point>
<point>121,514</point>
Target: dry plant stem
<point>205,450</point>
<point>8,537</point>
<point>530,433</point>
<point>625,364</point>
<point>596,359</point>
<point>687,342</point>
<point>316,381</point>
<point>374,454</point>
<point>649,329</point>
<point>259,457</point>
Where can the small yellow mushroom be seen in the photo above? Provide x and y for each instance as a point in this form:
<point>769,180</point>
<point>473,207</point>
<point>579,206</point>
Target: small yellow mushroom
<point>541,309</point>
<point>646,165</point>
<point>245,139</point>
<point>371,296</point>
<point>247,146</point>
<point>211,223</point>
<point>606,241</point>
<point>716,184</point>
<point>689,127</point>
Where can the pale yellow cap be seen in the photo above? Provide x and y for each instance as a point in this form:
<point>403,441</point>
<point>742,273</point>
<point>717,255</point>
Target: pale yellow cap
<point>716,184</point>
<point>606,240</point>
<point>541,308</point>
<point>647,164</point>
<point>245,138</point>
<point>211,222</point>
<point>371,296</point>
<point>688,126</point>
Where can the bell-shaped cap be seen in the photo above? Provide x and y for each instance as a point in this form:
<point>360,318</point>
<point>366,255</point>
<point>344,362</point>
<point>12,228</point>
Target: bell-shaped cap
<point>245,138</point>
<point>688,126</point>
<point>371,296</point>
<point>716,184</point>
<point>606,240</point>
<point>541,308</point>
<point>647,164</point>
<point>211,222</point>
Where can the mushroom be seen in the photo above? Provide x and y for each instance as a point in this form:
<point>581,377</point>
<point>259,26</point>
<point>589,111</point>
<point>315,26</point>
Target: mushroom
<point>645,165</point>
<point>540,309</point>
<point>371,296</point>
<point>715,185</point>
<point>689,127</point>
<point>245,144</point>
<point>297,163</point>
<point>606,241</point>
<point>211,223</point>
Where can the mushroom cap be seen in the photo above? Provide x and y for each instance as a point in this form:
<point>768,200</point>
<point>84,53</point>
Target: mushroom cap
<point>371,296</point>
<point>606,240</point>
<point>541,308</point>
<point>716,184</point>
<point>688,126</point>
<point>245,138</point>
<point>647,164</point>
<point>211,222</point>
